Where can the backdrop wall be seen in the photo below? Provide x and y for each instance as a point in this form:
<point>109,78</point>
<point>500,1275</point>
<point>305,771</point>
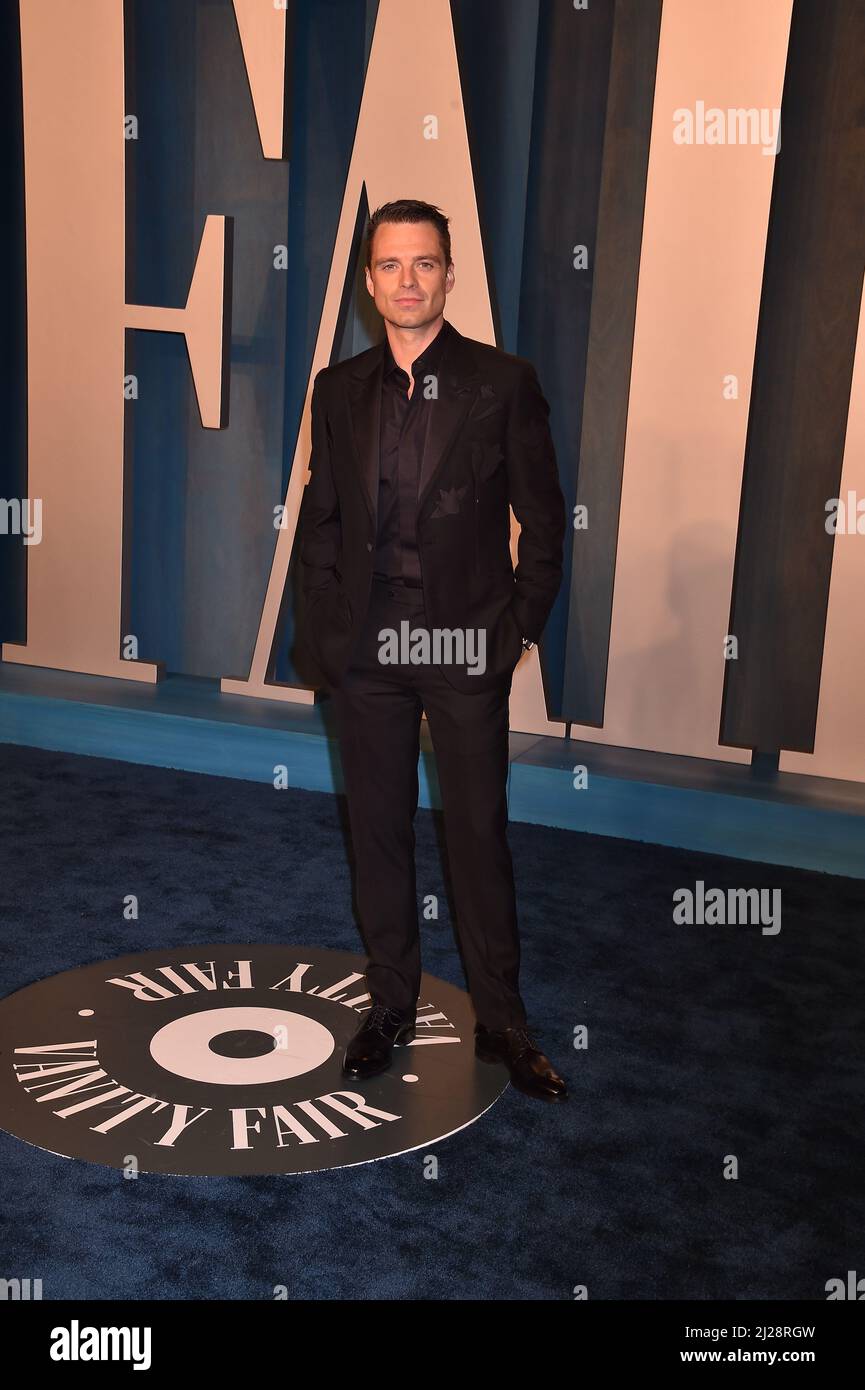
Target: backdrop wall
<point>187,183</point>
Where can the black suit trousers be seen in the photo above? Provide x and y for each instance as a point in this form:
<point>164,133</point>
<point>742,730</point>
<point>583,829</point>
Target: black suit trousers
<point>378,712</point>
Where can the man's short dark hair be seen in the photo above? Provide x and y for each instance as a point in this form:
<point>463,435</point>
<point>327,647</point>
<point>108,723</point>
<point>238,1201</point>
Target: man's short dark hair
<point>409,210</point>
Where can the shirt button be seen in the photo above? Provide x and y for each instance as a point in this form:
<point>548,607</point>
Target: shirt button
<point>369,545</point>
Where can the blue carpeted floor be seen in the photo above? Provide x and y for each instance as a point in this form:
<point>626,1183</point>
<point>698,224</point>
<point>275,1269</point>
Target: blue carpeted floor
<point>704,1042</point>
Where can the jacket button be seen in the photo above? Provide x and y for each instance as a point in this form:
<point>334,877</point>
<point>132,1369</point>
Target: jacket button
<point>369,545</point>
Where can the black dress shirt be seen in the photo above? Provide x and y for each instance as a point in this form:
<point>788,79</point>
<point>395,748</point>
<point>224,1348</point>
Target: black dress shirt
<point>404,425</point>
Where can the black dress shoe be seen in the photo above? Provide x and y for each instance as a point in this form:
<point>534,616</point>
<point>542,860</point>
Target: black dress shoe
<point>369,1051</point>
<point>531,1072</point>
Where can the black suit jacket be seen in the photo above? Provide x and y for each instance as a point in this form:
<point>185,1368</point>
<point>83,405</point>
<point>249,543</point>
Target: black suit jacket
<point>489,447</point>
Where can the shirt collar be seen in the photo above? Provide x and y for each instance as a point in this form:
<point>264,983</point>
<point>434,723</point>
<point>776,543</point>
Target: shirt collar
<point>428,360</point>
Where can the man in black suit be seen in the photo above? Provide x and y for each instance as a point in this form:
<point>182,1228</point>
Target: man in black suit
<point>410,603</point>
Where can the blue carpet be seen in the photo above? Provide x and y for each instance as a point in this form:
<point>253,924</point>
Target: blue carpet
<point>704,1042</point>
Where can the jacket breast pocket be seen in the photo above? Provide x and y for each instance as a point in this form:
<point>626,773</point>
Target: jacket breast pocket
<point>486,409</point>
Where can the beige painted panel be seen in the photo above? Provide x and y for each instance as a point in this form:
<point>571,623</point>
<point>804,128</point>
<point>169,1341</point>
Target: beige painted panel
<point>72,68</point>
<point>527,711</point>
<point>706,218</point>
<point>201,322</point>
<point>74,160</point>
<point>261,25</point>
<point>839,743</point>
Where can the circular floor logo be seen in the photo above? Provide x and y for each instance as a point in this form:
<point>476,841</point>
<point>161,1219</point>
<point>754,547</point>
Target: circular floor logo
<point>228,1059</point>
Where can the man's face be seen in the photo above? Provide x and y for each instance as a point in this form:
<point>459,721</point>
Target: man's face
<point>408,278</point>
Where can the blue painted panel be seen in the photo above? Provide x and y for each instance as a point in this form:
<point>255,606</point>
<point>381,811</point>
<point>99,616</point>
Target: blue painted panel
<point>691,803</point>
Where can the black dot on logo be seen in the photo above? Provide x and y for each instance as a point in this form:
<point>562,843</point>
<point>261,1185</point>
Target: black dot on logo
<point>243,1042</point>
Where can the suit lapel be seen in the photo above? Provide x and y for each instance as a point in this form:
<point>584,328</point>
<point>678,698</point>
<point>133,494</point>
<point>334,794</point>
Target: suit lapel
<point>459,381</point>
<point>364,407</point>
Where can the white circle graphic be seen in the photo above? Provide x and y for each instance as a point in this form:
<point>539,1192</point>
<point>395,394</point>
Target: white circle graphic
<point>183,1047</point>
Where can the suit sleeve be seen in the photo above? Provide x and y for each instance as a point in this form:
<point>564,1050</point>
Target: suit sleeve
<point>319,522</point>
<point>538,503</point>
